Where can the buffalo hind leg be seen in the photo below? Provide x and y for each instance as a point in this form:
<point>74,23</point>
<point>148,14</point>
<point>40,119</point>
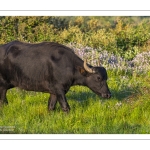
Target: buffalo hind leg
<point>52,102</point>
<point>3,99</point>
<point>63,103</point>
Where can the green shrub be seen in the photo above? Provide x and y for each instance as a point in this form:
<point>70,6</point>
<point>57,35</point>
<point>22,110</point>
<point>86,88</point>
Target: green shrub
<point>125,36</point>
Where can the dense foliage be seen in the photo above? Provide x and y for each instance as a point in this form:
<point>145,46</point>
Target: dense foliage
<point>125,36</point>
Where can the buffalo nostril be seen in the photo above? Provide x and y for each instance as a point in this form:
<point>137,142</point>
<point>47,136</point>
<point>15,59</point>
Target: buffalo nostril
<point>106,95</point>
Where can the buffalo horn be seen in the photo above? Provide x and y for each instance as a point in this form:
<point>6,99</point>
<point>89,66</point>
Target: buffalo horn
<point>99,63</point>
<point>87,68</point>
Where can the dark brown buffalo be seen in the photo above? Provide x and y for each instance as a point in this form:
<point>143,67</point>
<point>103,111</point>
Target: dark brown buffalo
<point>47,67</point>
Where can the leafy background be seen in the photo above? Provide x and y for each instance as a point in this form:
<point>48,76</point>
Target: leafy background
<point>124,35</point>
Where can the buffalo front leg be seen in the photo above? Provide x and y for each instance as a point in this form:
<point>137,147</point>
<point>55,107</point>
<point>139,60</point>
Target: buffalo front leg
<point>3,99</point>
<point>52,102</point>
<point>63,102</point>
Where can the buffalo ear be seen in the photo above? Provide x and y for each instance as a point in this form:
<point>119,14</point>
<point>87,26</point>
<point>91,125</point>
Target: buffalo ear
<point>82,71</point>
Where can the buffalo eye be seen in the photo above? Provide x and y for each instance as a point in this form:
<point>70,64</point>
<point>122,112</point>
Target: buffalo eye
<point>99,78</point>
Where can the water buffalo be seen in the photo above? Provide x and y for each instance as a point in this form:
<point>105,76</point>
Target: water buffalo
<point>47,67</point>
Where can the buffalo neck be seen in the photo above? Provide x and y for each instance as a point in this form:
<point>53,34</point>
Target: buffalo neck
<point>78,78</point>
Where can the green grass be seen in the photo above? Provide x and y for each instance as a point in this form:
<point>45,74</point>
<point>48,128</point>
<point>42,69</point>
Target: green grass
<point>126,112</point>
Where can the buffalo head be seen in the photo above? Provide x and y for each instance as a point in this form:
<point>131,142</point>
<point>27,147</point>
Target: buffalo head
<point>96,80</point>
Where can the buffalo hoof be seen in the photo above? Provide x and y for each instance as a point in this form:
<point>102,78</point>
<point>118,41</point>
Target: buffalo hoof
<point>51,109</point>
<point>66,110</point>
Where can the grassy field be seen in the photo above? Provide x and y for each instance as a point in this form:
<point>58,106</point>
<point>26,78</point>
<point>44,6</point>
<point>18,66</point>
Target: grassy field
<point>122,44</point>
<point>126,112</point>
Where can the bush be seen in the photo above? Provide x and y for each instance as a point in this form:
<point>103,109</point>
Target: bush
<point>124,36</point>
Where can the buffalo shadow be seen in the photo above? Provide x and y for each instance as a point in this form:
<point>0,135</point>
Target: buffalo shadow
<point>119,95</point>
